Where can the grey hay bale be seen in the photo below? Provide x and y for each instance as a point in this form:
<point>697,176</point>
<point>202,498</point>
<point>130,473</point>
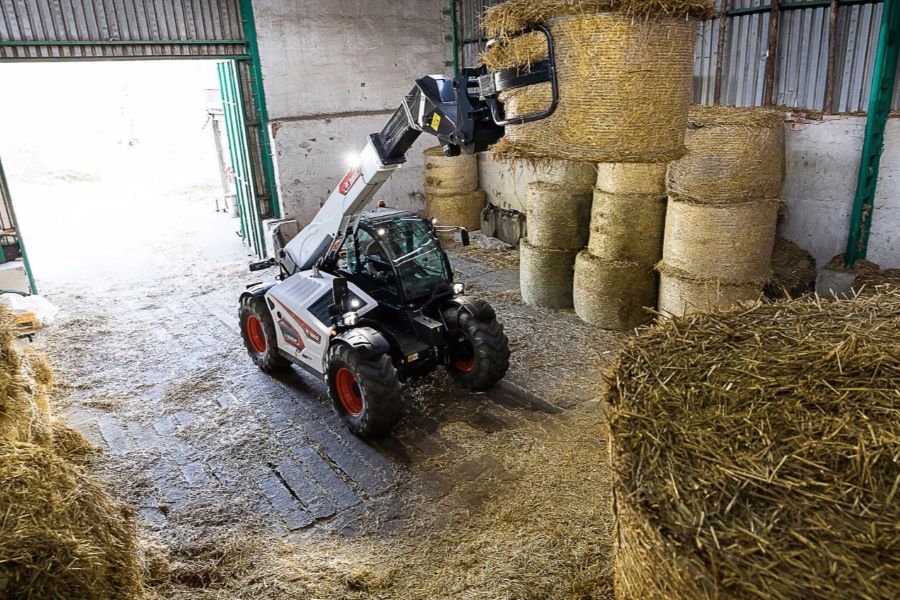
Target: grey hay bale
<point>731,241</point>
<point>450,174</point>
<point>627,227</point>
<point>613,294</point>
<point>545,275</point>
<point>624,89</point>
<point>570,174</point>
<point>731,154</point>
<point>456,209</point>
<point>635,178</point>
<point>558,217</point>
<point>682,294</point>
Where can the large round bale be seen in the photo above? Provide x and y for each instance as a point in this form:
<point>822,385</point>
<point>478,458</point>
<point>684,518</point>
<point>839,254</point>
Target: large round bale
<point>557,217</point>
<point>577,177</point>
<point>681,293</point>
<point>456,209</point>
<point>545,275</point>
<point>624,89</point>
<point>627,227</point>
<point>450,174</point>
<point>754,453</point>
<point>61,535</point>
<point>632,178</point>
<point>613,295</point>
<point>731,154</point>
<point>793,271</point>
<point>25,378</point>
<point>731,241</point>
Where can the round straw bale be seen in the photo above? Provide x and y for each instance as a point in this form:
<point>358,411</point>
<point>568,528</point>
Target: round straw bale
<point>731,154</point>
<point>732,242</point>
<point>793,271</point>
<point>632,178</point>
<point>557,217</point>
<point>24,409</point>
<point>624,89</point>
<point>545,276</point>
<point>613,295</point>
<point>572,175</point>
<point>627,227</point>
<point>450,174</point>
<point>682,294</point>
<point>61,535</point>
<point>511,16</point>
<point>754,453</point>
<point>456,209</point>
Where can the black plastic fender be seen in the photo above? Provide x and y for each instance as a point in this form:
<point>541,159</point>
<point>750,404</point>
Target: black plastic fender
<point>480,309</point>
<point>367,341</point>
<point>257,291</point>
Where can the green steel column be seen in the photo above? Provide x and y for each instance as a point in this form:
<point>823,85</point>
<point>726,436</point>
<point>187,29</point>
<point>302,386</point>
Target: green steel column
<point>4,192</point>
<point>259,99</point>
<point>883,77</point>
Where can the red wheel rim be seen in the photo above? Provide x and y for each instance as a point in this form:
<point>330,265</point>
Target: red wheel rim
<point>255,334</point>
<point>463,355</point>
<point>348,392</point>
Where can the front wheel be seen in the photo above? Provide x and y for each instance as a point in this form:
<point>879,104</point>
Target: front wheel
<point>258,331</point>
<point>478,351</point>
<point>365,391</point>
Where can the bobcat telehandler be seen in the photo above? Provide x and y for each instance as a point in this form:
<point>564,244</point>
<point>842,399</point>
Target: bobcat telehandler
<point>366,299</point>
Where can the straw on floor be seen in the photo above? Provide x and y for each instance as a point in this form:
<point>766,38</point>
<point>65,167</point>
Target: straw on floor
<point>793,271</point>
<point>755,453</point>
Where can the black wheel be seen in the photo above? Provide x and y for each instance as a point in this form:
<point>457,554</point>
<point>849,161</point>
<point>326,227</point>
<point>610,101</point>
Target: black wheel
<point>478,350</point>
<point>258,332</point>
<point>364,391</point>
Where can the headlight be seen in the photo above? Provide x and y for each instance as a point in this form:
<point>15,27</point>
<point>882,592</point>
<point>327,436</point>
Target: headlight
<point>355,302</point>
<point>459,289</point>
<point>351,318</point>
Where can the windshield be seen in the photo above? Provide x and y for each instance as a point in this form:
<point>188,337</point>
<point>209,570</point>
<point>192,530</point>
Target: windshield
<point>416,255</point>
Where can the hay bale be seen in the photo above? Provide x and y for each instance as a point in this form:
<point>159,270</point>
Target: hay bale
<point>545,275</point>
<point>577,177</point>
<point>627,227</point>
<point>456,209</point>
<point>793,271</point>
<point>70,444</point>
<point>682,294</point>
<point>24,409</point>
<point>624,89</point>
<point>732,241</point>
<point>754,453</point>
<point>732,154</point>
<point>613,295</point>
<point>61,535</point>
<point>450,175</point>
<point>632,178</point>
<point>557,217</point>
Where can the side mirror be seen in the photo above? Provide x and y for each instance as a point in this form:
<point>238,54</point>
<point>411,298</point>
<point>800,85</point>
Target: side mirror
<point>464,236</point>
<point>340,291</point>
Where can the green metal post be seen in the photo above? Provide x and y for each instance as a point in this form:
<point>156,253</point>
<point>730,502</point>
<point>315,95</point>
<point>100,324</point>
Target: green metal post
<point>4,191</point>
<point>454,36</point>
<point>259,100</point>
<point>883,78</point>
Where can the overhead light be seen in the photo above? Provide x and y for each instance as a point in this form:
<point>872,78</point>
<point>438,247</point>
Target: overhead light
<point>352,159</point>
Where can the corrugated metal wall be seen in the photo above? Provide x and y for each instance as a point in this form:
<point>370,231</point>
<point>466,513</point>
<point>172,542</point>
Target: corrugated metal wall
<point>85,29</point>
<point>801,67</point>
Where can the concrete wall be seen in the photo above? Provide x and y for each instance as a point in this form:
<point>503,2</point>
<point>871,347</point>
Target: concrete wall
<point>822,164</point>
<point>333,73</point>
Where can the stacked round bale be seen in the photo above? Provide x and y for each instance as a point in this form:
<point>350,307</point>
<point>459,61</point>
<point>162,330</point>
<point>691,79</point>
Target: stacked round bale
<point>452,195</point>
<point>723,209</point>
<point>754,453</point>
<point>61,535</point>
<point>624,70</point>
<point>558,205</point>
<point>614,276</point>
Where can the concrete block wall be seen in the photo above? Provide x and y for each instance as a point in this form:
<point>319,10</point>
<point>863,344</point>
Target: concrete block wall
<point>333,73</point>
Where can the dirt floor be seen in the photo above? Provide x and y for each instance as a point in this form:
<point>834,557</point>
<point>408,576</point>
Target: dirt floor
<point>248,486</point>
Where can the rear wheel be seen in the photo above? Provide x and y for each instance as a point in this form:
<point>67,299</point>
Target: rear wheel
<point>478,351</point>
<point>258,331</point>
<point>364,391</point>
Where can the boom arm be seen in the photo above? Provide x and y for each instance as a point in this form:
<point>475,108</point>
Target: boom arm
<point>463,113</point>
